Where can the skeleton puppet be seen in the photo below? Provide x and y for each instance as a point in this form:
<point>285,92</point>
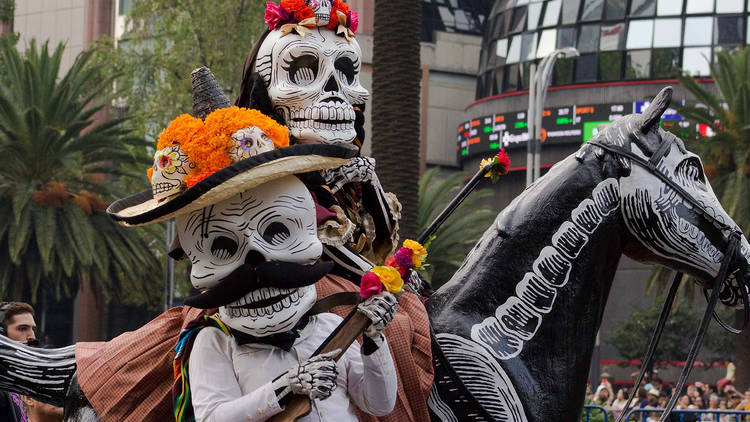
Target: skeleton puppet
<point>252,241</point>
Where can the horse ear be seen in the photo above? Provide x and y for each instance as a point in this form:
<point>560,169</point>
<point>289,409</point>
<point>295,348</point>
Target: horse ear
<point>658,106</point>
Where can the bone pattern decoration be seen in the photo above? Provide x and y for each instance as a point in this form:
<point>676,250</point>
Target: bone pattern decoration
<point>313,83</point>
<point>519,318</point>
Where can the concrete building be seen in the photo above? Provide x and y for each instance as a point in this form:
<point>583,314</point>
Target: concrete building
<point>629,51</point>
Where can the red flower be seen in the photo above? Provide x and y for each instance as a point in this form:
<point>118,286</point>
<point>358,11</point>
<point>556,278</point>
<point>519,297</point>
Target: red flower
<point>275,15</point>
<point>404,258</point>
<point>293,5</point>
<point>370,285</point>
<point>303,14</point>
<point>333,20</point>
<point>343,7</point>
<point>503,159</point>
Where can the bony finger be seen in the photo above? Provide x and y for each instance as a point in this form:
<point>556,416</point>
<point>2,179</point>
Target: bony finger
<point>330,355</point>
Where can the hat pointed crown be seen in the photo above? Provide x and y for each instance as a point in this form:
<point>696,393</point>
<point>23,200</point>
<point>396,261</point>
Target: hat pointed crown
<point>207,94</point>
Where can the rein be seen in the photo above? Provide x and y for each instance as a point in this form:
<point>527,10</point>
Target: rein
<point>731,251</point>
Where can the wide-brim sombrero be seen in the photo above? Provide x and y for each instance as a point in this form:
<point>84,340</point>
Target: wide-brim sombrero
<point>142,208</point>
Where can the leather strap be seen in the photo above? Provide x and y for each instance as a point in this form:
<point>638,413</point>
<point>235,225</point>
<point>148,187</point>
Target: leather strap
<point>334,300</point>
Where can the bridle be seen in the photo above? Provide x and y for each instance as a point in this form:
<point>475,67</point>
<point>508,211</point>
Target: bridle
<point>732,249</point>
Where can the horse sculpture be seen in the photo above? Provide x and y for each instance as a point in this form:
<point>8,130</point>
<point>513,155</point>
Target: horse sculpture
<point>514,329</point>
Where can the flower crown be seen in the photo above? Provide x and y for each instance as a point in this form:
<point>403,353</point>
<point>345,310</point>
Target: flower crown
<point>191,149</point>
<point>299,16</point>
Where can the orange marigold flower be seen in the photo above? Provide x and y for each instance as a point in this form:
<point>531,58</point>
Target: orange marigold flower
<point>180,130</point>
<point>293,5</point>
<point>303,14</point>
<point>150,173</point>
<point>190,181</point>
<point>224,122</point>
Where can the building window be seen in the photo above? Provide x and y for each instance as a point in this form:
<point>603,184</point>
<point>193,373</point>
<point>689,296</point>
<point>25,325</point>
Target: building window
<point>552,13</point>
<point>502,48</point>
<point>519,18</point>
<point>570,11</point>
<point>614,9</point>
<point>588,39</point>
<point>698,31</point>
<point>728,6</point>
<point>525,75</point>
<point>547,42</point>
<point>498,77</point>
<point>514,52</point>
<point>534,13</point>
<point>612,37</point>
<point>124,7</point>
<point>642,7</point>
<point>563,71</point>
<point>728,30</point>
<point>528,47</point>
<point>586,68</point>
<point>592,10</point>
<point>667,32</point>
<point>640,33</point>
<point>695,61</point>
<point>638,64</point>
<point>699,6</point>
<point>610,63</point>
<point>666,62</point>
<point>566,37</point>
<point>669,7</point>
<point>511,77</point>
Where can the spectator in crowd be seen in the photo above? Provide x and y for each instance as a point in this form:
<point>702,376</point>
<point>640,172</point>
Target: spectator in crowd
<point>17,322</point>
<point>618,405</point>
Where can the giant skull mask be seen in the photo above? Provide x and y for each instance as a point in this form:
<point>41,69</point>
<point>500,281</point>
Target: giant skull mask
<point>272,222</point>
<point>313,83</point>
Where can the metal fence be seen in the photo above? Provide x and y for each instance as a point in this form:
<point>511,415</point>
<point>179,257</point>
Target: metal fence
<point>691,415</point>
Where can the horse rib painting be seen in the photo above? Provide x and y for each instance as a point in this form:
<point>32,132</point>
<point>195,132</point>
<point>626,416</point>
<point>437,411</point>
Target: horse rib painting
<point>516,325</point>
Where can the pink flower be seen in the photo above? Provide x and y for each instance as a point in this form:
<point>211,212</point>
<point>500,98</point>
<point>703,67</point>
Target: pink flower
<point>404,257</point>
<point>275,15</point>
<point>370,285</point>
<point>353,21</point>
<point>503,159</point>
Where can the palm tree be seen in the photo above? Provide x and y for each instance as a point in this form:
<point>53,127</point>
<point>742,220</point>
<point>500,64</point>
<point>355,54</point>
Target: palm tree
<point>726,154</point>
<point>455,238</point>
<point>57,169</point>
<point>396,77</point>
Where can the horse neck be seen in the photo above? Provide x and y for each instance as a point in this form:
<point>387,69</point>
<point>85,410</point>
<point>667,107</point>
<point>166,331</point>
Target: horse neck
<point>533,290</point>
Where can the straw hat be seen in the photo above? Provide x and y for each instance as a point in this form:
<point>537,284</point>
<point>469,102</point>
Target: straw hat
<point>239,176</point>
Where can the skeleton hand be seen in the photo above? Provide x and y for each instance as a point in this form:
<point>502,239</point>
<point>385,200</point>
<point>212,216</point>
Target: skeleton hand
<point>358,169</point>
<point>380,310</point>
<point>316,378</point>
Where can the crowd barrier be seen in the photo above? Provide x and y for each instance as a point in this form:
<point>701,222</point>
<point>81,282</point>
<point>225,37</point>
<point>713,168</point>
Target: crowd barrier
<point>703,415</point>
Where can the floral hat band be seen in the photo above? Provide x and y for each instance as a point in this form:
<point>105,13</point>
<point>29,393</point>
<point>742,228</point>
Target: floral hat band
<point>190,148</point>
<point>300,16</point>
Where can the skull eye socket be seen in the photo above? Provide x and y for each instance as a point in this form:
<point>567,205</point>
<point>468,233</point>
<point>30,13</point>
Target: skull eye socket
<point>345,69</point>
<point>223,247</point>
<point>302,69</point>
<point>247,143</point>
<point>276,234</point>
<point>164,161</point>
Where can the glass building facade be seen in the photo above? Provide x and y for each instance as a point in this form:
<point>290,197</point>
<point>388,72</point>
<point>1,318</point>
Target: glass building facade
<point>617,39</point>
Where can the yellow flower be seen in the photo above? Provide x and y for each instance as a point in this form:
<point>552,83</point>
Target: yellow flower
<point>486,161</point>
<point>390,278</point>
<point>419,252</point>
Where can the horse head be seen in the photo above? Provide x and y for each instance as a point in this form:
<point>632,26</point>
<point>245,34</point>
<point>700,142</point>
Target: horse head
<point>689,233</point>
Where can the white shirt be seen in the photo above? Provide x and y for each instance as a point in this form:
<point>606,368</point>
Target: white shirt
<point>230,383</point>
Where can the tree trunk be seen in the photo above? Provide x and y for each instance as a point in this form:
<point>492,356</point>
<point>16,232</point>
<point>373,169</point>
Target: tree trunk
<point>396,77</point>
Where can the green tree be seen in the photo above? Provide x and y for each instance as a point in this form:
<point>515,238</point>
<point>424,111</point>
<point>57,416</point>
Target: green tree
<point>630,337</point>
<point>57,171</point>
<point>461,230</point>
<point>726,154</point>
<point>165,41</point>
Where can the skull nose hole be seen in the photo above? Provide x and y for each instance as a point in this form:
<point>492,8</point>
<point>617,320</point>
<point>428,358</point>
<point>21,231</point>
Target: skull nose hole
<point>331,85</point>
<point>254,258</point>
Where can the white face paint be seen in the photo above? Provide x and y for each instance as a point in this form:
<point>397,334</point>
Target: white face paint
<point>248,142</point>
<point>275,221</point>
<point>313,83</point>
<point>666,224</point>
<point>171,166</point>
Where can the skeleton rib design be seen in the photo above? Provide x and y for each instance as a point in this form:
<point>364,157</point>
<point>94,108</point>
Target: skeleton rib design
<point>518,319</point>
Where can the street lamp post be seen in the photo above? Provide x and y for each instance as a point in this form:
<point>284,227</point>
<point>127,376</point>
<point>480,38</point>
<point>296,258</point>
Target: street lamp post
<point>538,83</point>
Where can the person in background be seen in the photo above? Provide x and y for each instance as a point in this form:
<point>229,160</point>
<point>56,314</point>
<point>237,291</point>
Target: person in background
<point>618,405</point>
<point>17,321</point>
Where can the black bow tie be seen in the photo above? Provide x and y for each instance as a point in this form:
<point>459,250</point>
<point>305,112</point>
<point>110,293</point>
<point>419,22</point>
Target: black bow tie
<point>283,340</point>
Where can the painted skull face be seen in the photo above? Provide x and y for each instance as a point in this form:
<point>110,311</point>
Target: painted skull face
<point>313,83</point>
<point>273,222</point>
<point>248,142</point>
<point>321,9</point>
<point>171,166</point>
